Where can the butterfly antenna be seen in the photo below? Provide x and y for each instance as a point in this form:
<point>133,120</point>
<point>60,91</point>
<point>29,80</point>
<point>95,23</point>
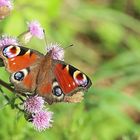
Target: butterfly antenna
<point>69,46</point>
<point>66,47</point>
<point>45,38</point>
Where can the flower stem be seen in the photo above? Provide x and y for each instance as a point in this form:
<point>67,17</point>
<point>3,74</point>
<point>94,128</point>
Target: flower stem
<point>22,34</point>
<point>10,101</point>
<point>7,86</point>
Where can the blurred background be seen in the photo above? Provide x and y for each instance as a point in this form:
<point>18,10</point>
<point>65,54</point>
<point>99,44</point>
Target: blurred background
<point>106,38</point>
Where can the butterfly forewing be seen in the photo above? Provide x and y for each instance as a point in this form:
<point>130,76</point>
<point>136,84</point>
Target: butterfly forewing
<point>17,57</point>
<point>70,78</point>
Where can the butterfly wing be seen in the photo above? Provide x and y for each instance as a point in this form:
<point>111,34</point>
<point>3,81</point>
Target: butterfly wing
<point>17,57</point>
<point>70,78</point>
<point>25,79</point>
<point>23,64</point>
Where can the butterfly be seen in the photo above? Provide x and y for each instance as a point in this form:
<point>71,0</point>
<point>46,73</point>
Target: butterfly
<point>33,72</point>
<point>4,12</point>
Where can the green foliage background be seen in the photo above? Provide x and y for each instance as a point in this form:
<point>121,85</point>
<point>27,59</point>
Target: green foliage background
<point>106,36</point>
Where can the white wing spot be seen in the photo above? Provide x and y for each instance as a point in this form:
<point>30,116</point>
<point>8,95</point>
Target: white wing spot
<point>73,83</point>
<point>12,59</point>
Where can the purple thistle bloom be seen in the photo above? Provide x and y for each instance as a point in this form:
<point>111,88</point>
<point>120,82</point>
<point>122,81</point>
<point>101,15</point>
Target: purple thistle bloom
<point>42,120</point>
<point>35,29</point>
<point>6,3</point>
<point>7,40</point>
<point>34,104</point>
<point>57,51</point>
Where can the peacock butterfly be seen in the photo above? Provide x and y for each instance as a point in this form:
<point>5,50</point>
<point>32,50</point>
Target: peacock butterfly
<point>40,74</point>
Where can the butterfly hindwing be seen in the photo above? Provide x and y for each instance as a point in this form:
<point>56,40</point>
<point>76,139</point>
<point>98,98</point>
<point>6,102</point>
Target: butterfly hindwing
<point>25,79</point>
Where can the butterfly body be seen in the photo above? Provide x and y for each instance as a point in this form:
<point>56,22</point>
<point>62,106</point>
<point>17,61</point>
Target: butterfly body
<point>40,74</point>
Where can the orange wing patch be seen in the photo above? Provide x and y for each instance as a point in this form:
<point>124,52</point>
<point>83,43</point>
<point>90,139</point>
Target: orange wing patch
<point>28,81</point>
<point>64,78</point>
<point>20,62</point>
<point>45,89</point>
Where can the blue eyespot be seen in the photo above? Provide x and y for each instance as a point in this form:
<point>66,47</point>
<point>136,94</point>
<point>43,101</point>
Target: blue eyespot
<point>57,91</point>
<point>19,76</point>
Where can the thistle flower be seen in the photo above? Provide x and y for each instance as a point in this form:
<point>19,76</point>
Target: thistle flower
<point>42,120</point>
<point>57,51</point>
<point>7,40</point>
<point>6,3</point>
<point>34,104</point>
<point>35,29</point>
